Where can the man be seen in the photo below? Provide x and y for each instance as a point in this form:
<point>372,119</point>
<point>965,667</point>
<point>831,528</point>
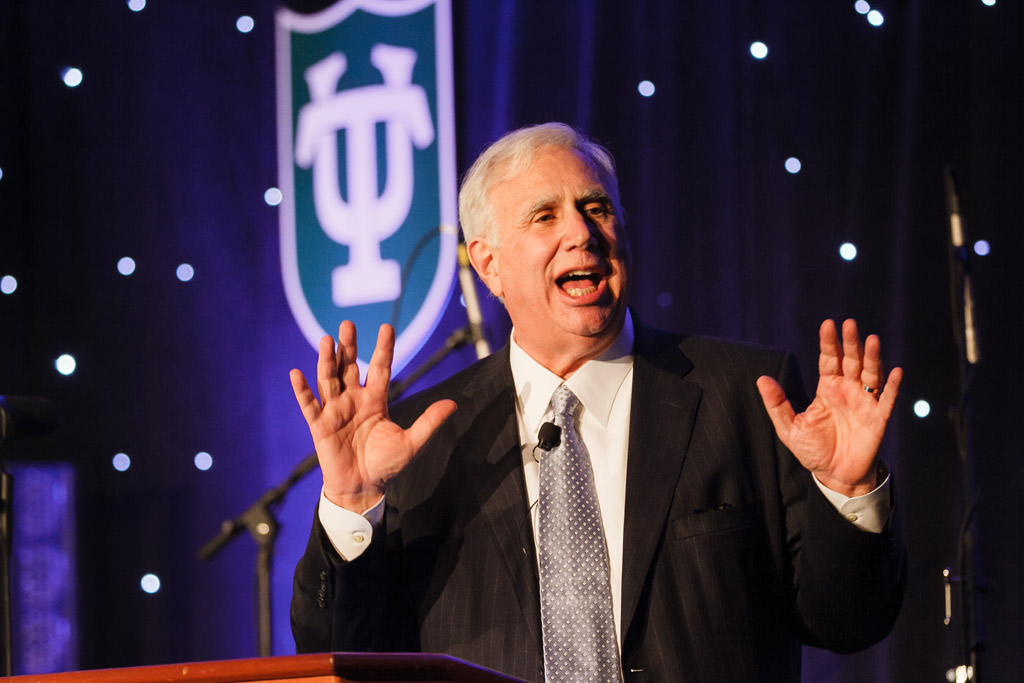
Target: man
<point>725,548</point>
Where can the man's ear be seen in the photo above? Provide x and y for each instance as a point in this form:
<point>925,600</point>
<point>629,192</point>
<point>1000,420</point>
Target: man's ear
<point>484,257</point>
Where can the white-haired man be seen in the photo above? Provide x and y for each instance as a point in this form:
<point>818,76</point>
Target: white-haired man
<point>731,528</point>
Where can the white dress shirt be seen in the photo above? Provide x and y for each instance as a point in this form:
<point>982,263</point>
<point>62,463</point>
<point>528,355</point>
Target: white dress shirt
<point>604,387</point>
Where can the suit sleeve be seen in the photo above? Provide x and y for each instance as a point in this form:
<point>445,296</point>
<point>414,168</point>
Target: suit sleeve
<point>355,606</point>
<point>345,606</point>
<point>848,582</point>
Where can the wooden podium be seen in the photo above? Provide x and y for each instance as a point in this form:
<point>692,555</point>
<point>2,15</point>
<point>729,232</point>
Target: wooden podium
<point>336,667</point>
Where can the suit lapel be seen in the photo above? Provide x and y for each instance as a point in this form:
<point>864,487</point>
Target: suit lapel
<point>663,410</point>
<point>494,432</point>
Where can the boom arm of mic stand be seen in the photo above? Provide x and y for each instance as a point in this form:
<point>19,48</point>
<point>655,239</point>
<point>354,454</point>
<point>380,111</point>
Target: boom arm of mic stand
<point>251,517</point>
<point>455,340</point>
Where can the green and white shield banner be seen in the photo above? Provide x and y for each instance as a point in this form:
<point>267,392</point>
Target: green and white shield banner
<point>366,156</point>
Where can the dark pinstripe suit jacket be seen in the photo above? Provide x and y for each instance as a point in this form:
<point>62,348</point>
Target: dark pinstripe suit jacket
<point>732,557</point>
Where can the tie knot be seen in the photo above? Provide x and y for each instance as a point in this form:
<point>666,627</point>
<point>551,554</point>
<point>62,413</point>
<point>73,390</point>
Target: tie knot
<point>564,403</point>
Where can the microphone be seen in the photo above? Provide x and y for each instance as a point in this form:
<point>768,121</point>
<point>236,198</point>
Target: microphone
<point>956,229</point>
<point>473,312</point>
<point>26,416</point>
<point>956,236</point>
<point>550,435</point>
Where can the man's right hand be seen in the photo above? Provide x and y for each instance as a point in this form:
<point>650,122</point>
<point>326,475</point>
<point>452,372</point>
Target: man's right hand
<point>359,448</point>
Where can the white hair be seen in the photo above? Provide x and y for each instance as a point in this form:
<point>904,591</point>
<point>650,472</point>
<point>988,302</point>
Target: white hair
<point>513,153</point>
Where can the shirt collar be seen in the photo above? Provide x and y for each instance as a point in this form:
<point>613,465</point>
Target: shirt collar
<point>596,382</point>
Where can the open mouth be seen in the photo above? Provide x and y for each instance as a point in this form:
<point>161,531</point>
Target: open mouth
<point>578,283</point>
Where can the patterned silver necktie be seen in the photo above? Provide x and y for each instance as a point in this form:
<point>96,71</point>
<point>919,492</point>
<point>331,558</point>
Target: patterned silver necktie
<point>575,588</point>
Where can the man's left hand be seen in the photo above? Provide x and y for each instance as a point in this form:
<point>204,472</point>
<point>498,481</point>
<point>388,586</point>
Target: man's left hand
<point>838,436</point>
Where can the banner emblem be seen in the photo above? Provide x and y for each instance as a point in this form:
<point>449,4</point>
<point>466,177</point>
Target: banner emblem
<point>366,157</point>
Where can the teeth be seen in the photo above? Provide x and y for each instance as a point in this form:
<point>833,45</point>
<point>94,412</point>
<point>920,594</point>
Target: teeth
<point>580,274</point>
<point>569,279</point>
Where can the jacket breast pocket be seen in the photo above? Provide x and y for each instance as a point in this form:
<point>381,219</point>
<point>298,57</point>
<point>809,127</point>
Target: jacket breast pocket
<point>723,519</point>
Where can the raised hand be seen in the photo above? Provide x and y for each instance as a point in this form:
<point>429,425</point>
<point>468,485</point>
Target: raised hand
<point>838,436</point>
<point>359,448</point>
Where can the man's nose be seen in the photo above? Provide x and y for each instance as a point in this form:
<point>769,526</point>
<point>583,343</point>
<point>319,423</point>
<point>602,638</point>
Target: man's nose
<point>580,230</point>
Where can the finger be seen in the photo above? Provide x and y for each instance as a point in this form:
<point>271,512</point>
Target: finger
<point>830,353</point>
<point>872,373</point>
<point>348,352</point>
<point>327,383</point>
<point>427,423</point>
<point>780,411</point>
<point>887,399</point>
<point>308,404</point>
<point>853,355</point>
<point>379,373</point>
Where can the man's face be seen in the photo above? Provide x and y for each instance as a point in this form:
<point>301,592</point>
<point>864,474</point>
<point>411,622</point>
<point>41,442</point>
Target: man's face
<point>561,258</point>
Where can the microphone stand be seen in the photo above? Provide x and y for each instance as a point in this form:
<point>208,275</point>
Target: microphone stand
<point>261,524</point>
<point>971,587</point>
<point>258,518</point>
<point>469,334</point>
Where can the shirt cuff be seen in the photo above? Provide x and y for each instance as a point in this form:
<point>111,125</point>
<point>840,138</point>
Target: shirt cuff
<point>350,533</point>
<point>869,512</point>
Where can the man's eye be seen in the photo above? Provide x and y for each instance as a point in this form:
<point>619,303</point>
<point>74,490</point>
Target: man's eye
<point>598,211</point>
<point>545,217</point>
